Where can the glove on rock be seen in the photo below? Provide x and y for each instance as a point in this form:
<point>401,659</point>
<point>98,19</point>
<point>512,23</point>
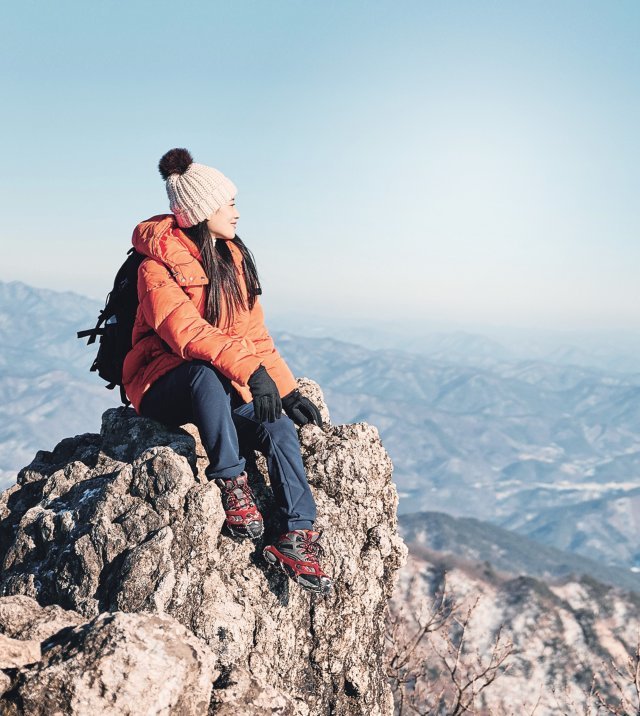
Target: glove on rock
<point>300,409</point>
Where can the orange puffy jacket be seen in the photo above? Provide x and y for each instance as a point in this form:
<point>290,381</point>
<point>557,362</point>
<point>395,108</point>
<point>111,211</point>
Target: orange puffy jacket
<point>172,295</point>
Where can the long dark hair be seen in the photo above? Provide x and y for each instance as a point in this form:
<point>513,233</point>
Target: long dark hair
<point>217,262</point>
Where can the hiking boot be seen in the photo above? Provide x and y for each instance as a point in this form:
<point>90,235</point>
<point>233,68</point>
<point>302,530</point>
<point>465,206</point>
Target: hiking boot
<point>243,517</point>
<point>296,554</point>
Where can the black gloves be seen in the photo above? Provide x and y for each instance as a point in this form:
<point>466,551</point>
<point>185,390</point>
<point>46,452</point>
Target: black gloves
<point>300,409</point>
<point>267,405</point>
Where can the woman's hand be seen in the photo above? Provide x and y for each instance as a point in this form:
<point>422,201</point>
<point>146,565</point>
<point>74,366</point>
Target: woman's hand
<point>300,409</point>
<point>267,405</point>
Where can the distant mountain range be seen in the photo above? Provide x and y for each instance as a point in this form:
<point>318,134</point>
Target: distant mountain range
<point>613,351</point>
<point>46,390</point>
<point>504,550</point>
<point>549,450</point>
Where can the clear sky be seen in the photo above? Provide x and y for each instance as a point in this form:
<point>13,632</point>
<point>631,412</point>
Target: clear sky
<point>464,161</point>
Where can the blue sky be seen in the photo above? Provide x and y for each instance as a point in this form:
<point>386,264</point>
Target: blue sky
<point>471,162</point>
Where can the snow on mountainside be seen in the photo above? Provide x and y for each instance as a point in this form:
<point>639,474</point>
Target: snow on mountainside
<point>549,450</point>
<point>564,633</point>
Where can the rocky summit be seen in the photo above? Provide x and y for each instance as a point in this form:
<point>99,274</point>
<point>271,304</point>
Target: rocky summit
<point>121,592</point>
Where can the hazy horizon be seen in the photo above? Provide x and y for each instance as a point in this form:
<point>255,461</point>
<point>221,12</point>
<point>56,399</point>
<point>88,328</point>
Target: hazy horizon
<point>612,350</point>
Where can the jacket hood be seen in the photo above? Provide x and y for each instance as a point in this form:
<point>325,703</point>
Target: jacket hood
<point>161,238</point>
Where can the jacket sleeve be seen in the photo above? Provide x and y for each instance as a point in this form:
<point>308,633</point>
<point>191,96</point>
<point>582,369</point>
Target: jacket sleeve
<point>175,318</point>
<point>268,353</point>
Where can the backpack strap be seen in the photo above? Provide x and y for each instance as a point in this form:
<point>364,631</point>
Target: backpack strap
<point>93,332</point>
<point>123,397</point>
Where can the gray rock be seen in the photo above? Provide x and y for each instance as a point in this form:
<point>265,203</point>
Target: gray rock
<point>118,664</point>
<point>126,521</point>
<point>23,618</point>
<point>5,683</point>
<point>15,653</point>
<point>241,693</point>
<point>24,624</point>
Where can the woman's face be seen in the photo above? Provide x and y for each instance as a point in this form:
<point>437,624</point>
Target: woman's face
<point>222,223</point>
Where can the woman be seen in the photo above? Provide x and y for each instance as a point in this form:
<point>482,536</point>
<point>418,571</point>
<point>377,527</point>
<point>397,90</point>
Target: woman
<point>202,354</point>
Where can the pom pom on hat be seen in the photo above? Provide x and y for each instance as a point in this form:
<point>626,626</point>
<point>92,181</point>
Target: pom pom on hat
<point>175,161</point>
<point>195,190</point>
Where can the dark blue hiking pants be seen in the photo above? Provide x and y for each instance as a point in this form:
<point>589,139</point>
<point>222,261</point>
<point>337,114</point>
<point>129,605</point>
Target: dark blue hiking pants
<point>196,392</point>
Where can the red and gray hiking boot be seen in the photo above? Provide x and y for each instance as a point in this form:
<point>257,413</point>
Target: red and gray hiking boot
<point>296,554</point>
<point>243,517</point>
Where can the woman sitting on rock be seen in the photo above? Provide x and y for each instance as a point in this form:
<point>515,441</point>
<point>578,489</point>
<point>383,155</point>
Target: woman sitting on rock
<point>201,354</point>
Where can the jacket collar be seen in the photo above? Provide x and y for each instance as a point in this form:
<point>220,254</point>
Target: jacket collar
<point>161,238</point>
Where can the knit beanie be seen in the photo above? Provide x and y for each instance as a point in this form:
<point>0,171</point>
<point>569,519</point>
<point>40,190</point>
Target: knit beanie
<point>195,191</point>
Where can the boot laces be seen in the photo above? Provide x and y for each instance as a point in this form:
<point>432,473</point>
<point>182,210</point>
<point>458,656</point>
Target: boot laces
<point>311,550</point>
<point>236,502</point>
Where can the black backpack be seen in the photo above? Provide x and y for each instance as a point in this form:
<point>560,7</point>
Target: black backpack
<point>118,316</point>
